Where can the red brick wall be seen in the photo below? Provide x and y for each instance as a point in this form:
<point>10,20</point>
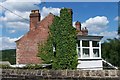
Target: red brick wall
<point>27,46</point>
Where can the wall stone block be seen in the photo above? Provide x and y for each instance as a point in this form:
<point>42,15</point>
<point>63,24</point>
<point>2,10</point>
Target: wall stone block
<point>25,74</point>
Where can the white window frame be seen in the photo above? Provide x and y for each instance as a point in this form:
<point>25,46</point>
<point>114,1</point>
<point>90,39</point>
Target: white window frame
<point>90,50</point>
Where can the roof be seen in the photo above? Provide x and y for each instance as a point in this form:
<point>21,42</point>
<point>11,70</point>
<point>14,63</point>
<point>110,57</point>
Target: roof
<point>42,24</point>
<point>90,37</point>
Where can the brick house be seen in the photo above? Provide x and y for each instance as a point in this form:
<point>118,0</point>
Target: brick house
<point>88,47</point>
<point>26,51</point>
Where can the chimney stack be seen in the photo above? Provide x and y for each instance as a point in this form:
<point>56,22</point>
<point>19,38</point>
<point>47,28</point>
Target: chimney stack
<point>83,31</point>
<point>78,26</point>
<point>34,18</point>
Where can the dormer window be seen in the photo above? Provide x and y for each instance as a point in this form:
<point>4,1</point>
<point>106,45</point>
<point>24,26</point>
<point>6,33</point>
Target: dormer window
<point>89,48</point>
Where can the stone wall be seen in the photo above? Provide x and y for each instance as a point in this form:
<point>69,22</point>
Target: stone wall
<point>24,74</point>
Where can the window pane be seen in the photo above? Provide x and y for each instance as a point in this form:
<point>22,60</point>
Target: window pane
<point>85,43</point>
<point>78,43</point>
<point>79,54</point>
<point>95,52</point>
<point>86,52</point>
<point>95,43</point>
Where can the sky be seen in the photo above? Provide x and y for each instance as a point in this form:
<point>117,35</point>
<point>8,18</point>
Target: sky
<point>100,18</point>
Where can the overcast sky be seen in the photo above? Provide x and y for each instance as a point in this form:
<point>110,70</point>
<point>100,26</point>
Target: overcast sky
<point>101,18</point>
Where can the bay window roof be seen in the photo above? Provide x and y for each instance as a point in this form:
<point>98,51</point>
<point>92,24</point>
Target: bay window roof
<point>89,37</point>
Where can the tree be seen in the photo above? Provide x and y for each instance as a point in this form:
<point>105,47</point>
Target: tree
<point>119,30</point>
<point>8,55</point>
<point>111,51</point>
<point>63,38</point>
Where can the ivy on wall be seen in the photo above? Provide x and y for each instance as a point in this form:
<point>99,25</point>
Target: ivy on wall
<point>63,37</point>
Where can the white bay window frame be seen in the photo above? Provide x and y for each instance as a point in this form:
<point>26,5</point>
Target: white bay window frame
<point>91,54</point>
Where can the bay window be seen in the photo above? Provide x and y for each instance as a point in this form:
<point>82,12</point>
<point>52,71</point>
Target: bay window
<point>88,49</point>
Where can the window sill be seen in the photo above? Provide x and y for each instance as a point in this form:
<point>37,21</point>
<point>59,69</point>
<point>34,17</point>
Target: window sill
<point>90,58</point>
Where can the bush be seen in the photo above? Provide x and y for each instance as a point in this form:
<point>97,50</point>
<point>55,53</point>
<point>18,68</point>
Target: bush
<point>5,66</point>
<point>111,51</point>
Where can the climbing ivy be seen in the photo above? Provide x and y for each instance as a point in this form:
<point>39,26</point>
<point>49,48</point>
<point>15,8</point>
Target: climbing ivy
<point>63,36</point>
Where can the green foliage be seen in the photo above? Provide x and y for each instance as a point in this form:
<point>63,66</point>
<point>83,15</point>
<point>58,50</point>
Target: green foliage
<point>45,51</point>
<point>63,35</point>
<point>33,66</point>
<point>5,66</point>
<point>119,29</point>
<point>111,51</point>
<point>8,55</point>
